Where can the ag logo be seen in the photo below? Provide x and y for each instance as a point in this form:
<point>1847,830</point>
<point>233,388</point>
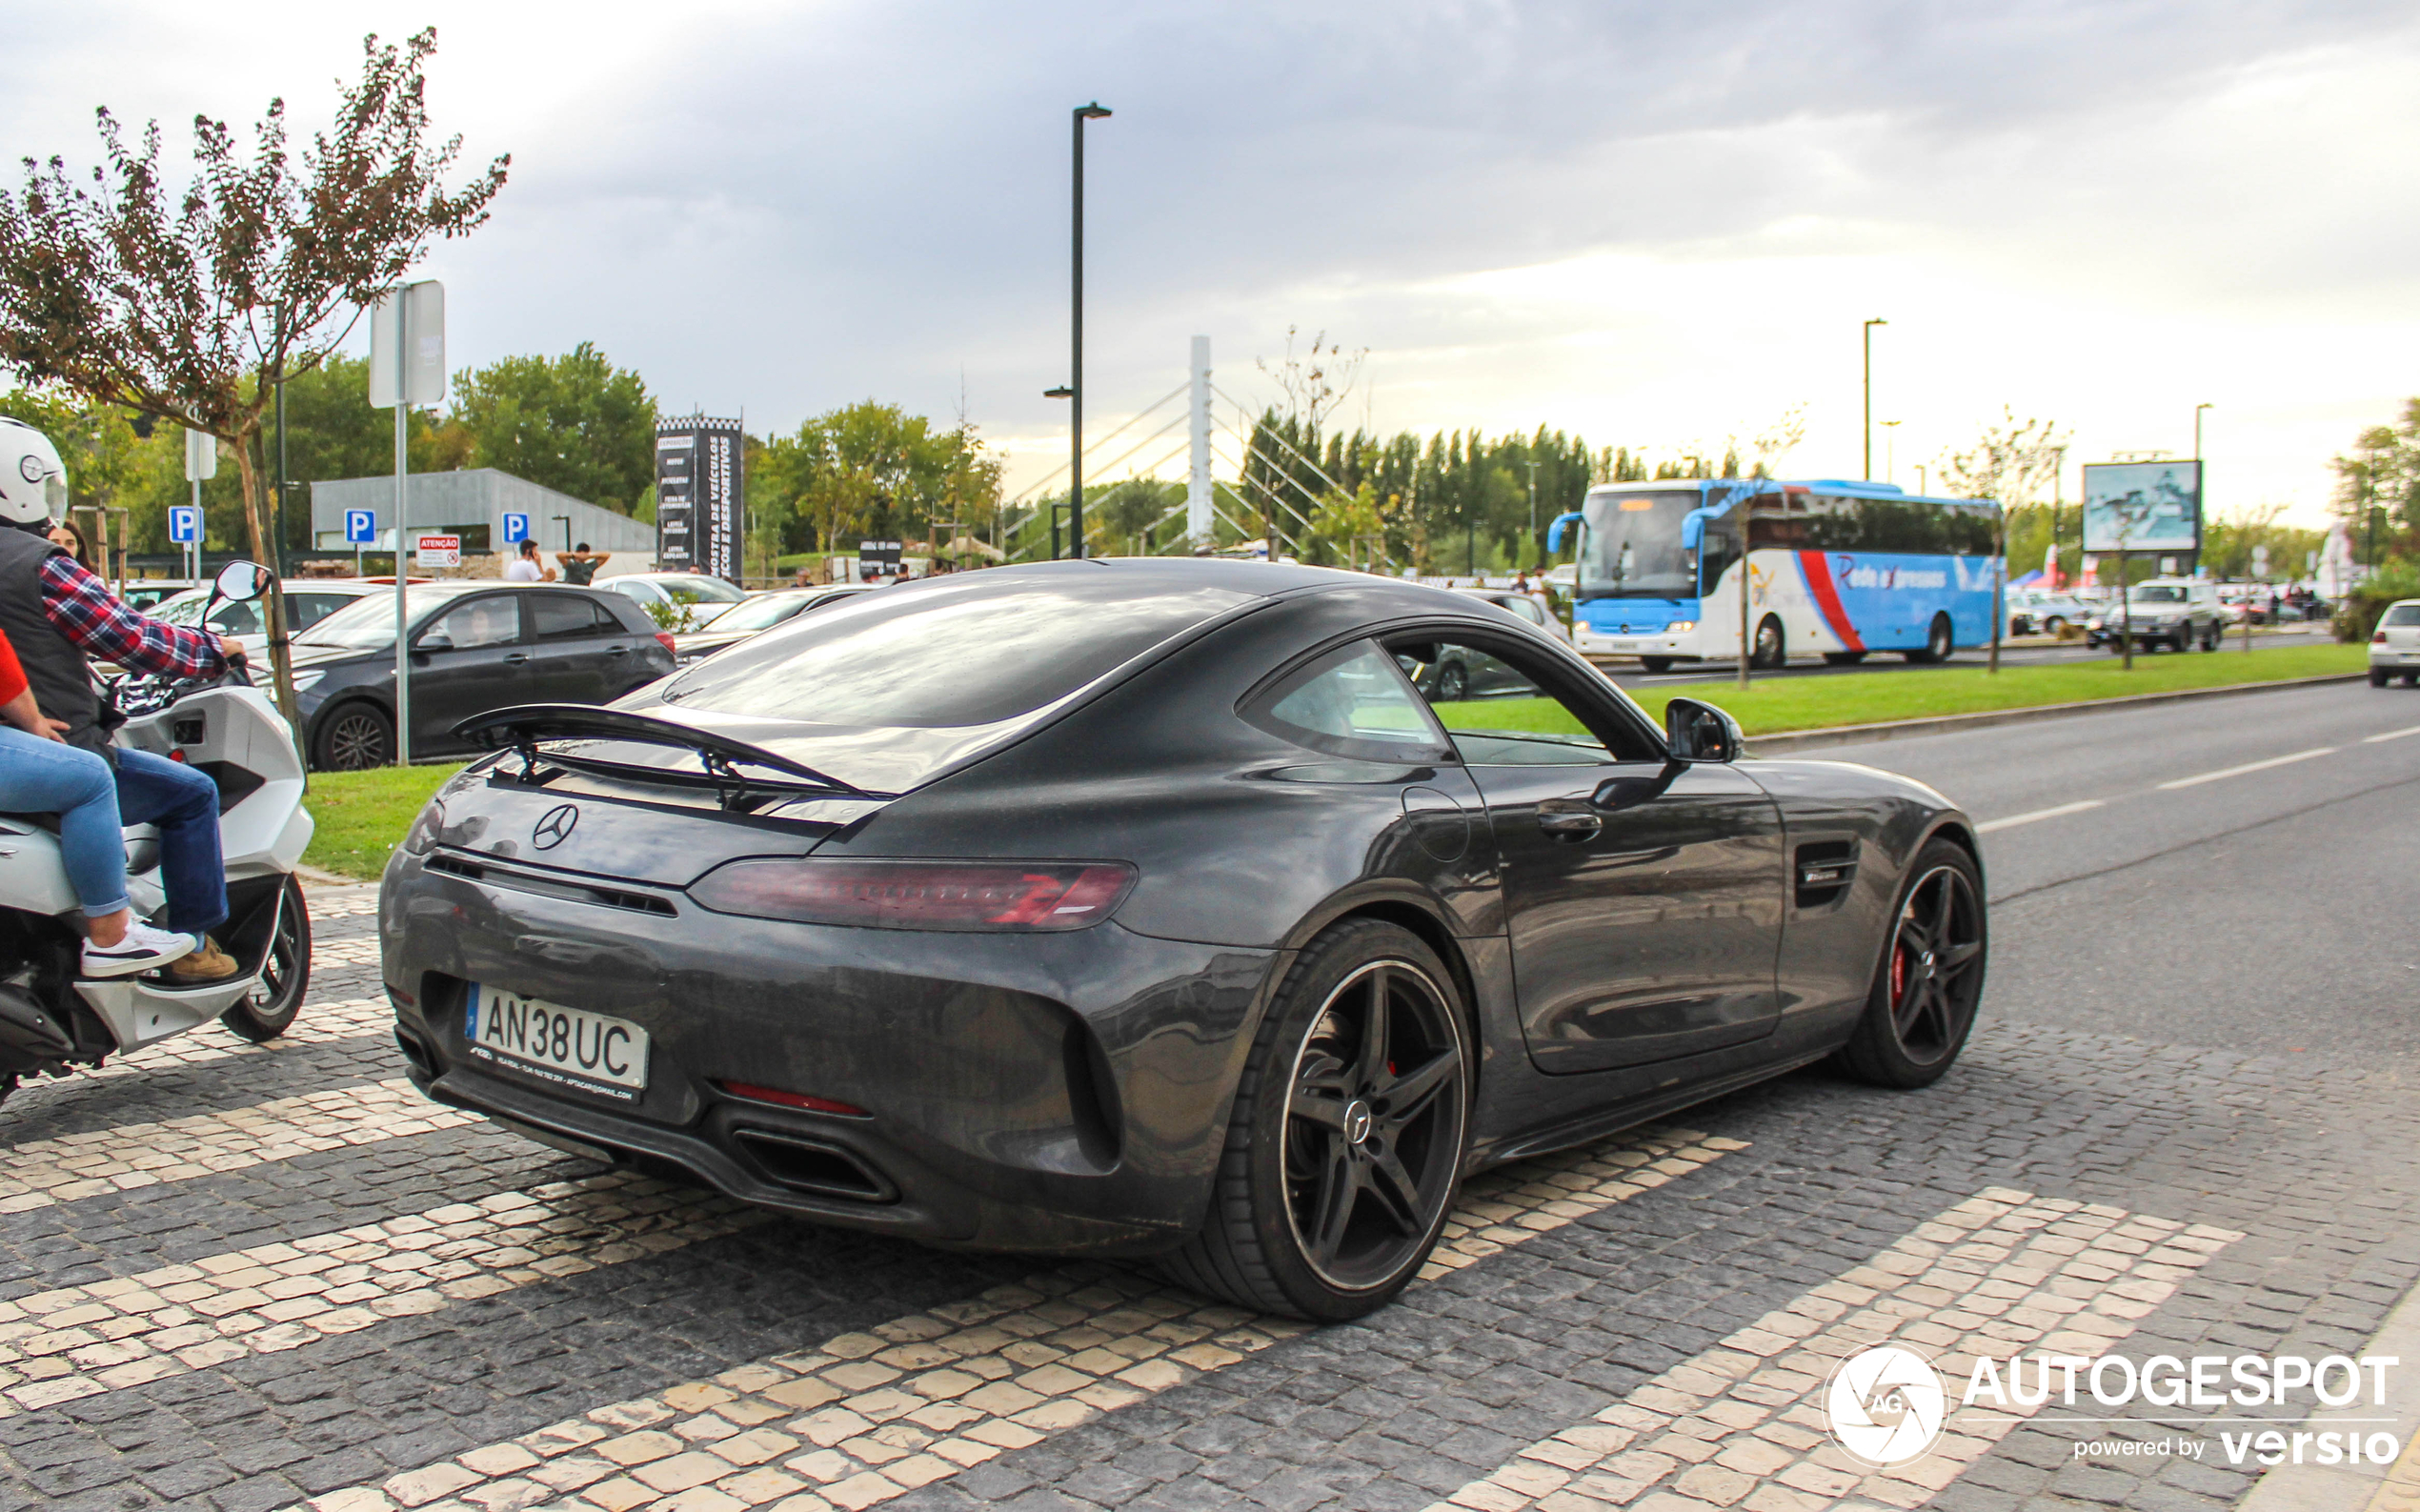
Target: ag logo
<point>1885,1405</point>
<point>554,826</point>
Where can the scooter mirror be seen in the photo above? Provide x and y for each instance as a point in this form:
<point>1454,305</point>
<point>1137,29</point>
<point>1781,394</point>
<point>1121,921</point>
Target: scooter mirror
<point>241,582</point>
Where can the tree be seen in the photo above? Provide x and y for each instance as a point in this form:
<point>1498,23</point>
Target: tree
<point>192,306</point>
<point>871,469</point>
<point>2009,462</point>
<point>575,423</point>
<point>2379,489</point>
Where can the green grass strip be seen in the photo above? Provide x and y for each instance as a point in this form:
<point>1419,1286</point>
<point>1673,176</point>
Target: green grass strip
<point>361,815</point>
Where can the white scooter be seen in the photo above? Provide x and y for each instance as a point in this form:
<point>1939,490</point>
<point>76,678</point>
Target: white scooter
<point>50,1022</point>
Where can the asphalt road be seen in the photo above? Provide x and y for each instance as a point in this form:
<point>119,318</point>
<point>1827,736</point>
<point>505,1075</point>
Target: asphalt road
<point>1630,674</point>
<point>2230,873</point>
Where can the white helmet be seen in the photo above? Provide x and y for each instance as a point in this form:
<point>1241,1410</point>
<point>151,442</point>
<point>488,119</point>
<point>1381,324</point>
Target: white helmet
<point>33,482</point>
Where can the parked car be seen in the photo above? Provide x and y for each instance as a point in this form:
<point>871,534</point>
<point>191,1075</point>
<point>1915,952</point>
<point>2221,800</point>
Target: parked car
<point>2394,646</point>
<point>142,593</point>
<point>2044,611</point>
<point>476,646</point>
<point>307,604</point>
<point>1523,607</point>
<point>2178,613</point>
<point>705,597</point>
<point>760,611</point>
<point>1143,908</point>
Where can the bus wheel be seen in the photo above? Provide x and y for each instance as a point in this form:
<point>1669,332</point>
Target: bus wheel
<point>1771,651</point>
<point>1655,663</point>
<point>1843,658</point>
<point>1937,643</point>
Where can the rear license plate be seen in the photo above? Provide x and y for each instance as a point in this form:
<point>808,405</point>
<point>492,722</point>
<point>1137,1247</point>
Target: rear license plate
<point>567,1046</point>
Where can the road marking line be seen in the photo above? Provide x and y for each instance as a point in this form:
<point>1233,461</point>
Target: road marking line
<point>2015,820</point>
<point>1998,1274</point>
<point>2250,766</point>
<point>79,1340</point>
<point>867,1417</point>
<point>2391,734</point>
<point>73,1166</point>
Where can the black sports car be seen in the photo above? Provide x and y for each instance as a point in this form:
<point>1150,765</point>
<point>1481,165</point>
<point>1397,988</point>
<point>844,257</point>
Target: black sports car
<point>1149,908</point>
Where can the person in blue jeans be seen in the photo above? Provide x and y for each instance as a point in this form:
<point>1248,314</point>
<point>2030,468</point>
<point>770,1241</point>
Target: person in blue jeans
<point>42,773</point>
<point>58,615</point>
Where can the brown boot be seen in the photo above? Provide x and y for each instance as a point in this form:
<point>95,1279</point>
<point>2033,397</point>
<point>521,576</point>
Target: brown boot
<point>207,964</point>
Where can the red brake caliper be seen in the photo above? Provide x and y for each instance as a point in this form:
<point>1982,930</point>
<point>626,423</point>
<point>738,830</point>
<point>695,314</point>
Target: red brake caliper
<point>1898,971</point>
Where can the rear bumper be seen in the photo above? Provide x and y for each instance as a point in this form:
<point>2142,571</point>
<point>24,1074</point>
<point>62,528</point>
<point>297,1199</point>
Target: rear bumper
<point>1054,1092</point>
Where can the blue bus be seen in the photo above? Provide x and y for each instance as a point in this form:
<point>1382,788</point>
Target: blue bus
<point>1834,568</point>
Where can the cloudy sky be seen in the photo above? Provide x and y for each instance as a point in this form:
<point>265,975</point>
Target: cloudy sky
<point>1653,224</point>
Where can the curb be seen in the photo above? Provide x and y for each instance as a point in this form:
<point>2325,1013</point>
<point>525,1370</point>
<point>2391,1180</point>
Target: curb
<point>1953,723</point>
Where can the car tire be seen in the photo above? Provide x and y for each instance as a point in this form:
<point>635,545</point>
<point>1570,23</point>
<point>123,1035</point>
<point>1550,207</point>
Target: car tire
<point>1312,1080</point>
<point>1919,1013</point>
<point>1938,643</point>
<point>1772,652</point>
<point>2378,678</point>
<point>1843,658</point>
<point>353,738</point>
<point>269,1009</point>
<point>1656,664</point>
<point>2411,679</point>
<point>2053,625</point>
<point>1453,682</point>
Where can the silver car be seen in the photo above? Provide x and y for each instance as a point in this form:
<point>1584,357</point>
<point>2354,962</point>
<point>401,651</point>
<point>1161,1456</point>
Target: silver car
<point>2394,646</point>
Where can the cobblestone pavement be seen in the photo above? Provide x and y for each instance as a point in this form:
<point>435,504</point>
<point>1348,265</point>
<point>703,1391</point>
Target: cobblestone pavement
<point>241,1278</point>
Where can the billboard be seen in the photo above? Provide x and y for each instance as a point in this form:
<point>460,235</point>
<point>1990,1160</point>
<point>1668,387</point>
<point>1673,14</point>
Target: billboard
<point>699,491</point>
<point>2143,507</point>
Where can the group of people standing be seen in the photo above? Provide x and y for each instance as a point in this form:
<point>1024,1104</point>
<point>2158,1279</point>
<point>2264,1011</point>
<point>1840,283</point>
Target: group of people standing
<point>579,565</point>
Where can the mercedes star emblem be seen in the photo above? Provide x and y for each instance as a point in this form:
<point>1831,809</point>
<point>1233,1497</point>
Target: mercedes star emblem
<point>554,826</point>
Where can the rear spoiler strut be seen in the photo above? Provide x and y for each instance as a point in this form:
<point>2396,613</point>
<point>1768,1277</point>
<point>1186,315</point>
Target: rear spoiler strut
<point>524,725</point>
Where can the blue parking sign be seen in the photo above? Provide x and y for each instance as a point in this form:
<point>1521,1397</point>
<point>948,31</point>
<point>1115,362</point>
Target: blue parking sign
<point>361,527</point>
<point>184,524</point>
<point>516,529</point>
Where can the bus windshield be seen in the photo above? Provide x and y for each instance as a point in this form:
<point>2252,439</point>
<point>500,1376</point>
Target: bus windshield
<point>1633,545</point>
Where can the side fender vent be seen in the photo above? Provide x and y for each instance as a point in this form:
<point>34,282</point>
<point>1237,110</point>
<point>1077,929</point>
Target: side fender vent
<point>1822,871</point>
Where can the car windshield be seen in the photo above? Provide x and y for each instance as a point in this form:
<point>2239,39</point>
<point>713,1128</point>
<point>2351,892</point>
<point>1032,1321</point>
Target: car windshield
<point>1633,546</point>
<point>2155,594</point>
<point>369,623</point>
<point>761,613</point>
<point>950,654</point>
<point>185,609</point>
<point>698,590</point>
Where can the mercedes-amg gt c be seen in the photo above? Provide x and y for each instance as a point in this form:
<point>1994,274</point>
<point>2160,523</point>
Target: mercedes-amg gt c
<point>1150,908</point>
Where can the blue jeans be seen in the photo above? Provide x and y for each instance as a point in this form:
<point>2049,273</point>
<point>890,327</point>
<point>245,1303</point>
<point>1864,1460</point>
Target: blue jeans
<point>44,776</point>
<point>184,803</point>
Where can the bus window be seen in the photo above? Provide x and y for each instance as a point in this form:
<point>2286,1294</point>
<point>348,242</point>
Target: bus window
<point>1632,546</point>
<point>1717,550</point>
<point>1915,526</point>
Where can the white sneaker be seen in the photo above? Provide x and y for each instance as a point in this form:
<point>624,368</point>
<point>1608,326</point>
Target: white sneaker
<point>141,950</point>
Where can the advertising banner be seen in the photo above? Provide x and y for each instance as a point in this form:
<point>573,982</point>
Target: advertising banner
<point>877,558</point>
<point>2143,507</point>
<point>699,488</point>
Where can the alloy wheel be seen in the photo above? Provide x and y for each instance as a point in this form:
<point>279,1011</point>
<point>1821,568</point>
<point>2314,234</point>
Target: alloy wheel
<point>1933,978</point>
<point>1373,1125</point>
<point>357,742</point>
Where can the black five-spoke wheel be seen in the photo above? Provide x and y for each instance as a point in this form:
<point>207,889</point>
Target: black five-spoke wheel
<point>1349,1130</point>
<point>1931,977</point>
<point>1372,1127</point>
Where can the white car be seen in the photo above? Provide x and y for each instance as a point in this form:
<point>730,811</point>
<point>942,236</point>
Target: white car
<point>2044,612</point>
<point>1523,605</point>
<point>308,602</point>
<point>705,597</point>
<point>2394,646</point>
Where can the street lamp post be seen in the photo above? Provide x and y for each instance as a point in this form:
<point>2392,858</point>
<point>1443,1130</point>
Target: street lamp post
<point>1074,391</point>
<point>1890,451</point>
<point>1868,474</point>
<point>1533,509</point>
<point>2201,495</point>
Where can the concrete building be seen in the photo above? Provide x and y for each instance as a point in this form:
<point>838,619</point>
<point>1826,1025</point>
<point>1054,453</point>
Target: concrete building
<point>473,503</point>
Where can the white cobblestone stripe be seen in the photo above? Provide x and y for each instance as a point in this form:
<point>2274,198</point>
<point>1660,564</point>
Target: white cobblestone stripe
<point>42,1172</point>
<point>78,1340</point>
<point>1742,1423</point>
<point>867,1417</point>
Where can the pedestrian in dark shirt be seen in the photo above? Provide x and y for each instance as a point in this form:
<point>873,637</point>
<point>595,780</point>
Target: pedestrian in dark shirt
<point>580,564</point>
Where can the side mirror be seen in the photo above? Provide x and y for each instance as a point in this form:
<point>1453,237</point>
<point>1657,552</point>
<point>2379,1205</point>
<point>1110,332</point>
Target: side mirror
<point>435,641</point>
<point>242,582</point>
<point>1700,732</point>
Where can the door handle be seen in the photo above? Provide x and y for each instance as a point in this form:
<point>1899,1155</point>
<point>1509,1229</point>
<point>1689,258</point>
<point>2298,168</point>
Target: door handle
<point>618,650</point>
<point>515,660</point>
<point>1571,824</point>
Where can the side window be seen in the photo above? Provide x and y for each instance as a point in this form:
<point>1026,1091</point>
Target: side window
<point>306,610</point>
<point>1503,714</point>
<point>1351,703</point>
<point>236,620</point>
<point>494,620</point>
<point>567,616</point>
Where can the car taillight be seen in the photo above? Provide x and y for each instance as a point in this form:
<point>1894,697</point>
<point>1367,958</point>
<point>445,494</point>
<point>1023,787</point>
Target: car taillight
<point>2378,640</point>
<point>665,640</point>
<point>980,897</point>
<point>792,1100</point>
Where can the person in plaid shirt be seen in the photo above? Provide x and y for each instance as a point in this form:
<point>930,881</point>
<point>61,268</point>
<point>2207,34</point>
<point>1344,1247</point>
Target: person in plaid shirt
<point>58,616</point>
